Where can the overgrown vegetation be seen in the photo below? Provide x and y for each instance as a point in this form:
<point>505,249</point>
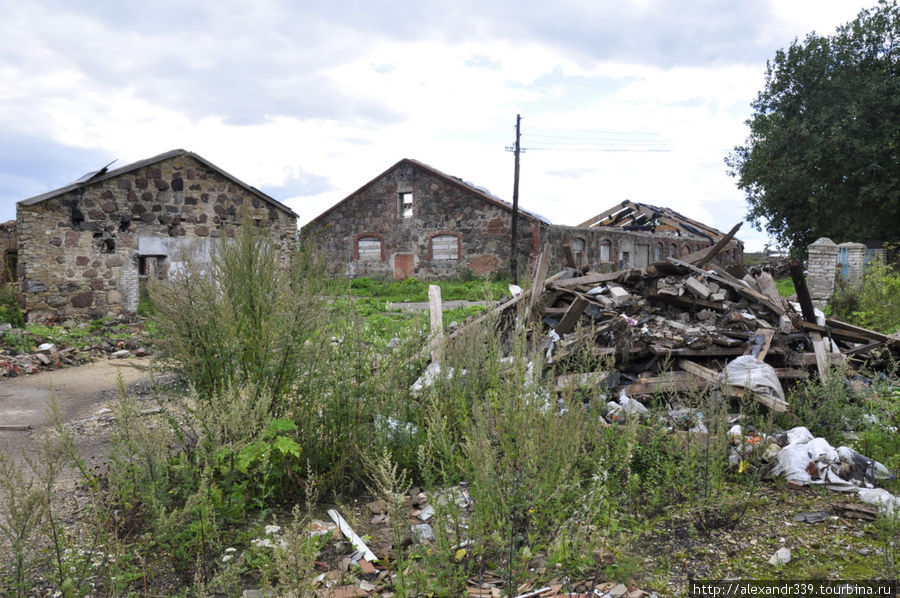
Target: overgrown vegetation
<point>874,304</point>
<point>10,311</point>
<point>293,400</point>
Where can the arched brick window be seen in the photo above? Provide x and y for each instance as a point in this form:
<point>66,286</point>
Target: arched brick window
<point>658,256</point>
<point>369,247</point>
<point>444,246</point>
<point>685,250</point>
<point>673,250</point>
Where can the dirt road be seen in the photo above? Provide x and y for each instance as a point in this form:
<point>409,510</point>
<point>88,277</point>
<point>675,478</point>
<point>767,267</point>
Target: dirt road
<point>80,393</point>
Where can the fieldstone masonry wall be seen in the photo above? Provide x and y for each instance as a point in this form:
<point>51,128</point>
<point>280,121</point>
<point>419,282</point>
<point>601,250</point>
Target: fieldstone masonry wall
<point>821,271</point>
<point>79,252</point>
<point>440,208</point>
<point>395,245</point>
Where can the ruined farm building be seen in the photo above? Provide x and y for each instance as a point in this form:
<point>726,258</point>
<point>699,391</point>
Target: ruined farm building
<point>414,220</point>
<point>83,249</point>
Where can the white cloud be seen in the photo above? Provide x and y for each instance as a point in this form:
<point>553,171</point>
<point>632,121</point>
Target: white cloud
<point>315,99</point>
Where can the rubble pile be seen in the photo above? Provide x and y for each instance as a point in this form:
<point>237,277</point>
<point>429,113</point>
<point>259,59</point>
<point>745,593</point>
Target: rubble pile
<point>679,326</point>
<point>351,564</point>
<point>23,353</point>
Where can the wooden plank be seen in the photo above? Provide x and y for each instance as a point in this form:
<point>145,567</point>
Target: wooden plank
<point>567,324</point>
<point>355,540</point>
<point>767,285</point>
<point>437,322</point>
<point>583,379</point>
<point>501,308</point>
<point>729,389</point>
<point>863,348</point>
<point>708,352</point>
<point>768,333</point>
<point>683,301</point>
<point>570,256</point>
<point>819,351</point>
<point>15,427</point>
<point>806,304</point>
<point>846,335</point>
<point>699,258</point>
<point>540,275</point>
<point>790,373</point>
<point>697,370</point>
<point>871,334</point>
<point>590,279</point>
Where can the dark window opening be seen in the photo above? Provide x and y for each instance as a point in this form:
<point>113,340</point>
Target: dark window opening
<point>77,217</point>
<point>109,245</point>
<point>152,267</point>
<point>10,264</point>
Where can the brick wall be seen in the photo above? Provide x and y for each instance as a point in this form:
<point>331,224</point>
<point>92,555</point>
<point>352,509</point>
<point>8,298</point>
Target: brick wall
<point>822,256</point>
<point>80,252</point>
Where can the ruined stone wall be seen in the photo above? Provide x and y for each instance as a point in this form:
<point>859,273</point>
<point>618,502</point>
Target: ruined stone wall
<point>80,252</point>
<point>8,252</point>
<point>439,209</point>
<point>627,249</point>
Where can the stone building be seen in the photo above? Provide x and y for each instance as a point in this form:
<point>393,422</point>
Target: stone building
<point>9,251</point>
<point>84,249</point>
<point>415,220</point>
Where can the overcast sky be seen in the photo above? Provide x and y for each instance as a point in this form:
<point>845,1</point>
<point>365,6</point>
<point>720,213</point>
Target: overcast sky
<point>308,101</point>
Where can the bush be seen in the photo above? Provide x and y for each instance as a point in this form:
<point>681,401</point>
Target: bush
<point>875,304</point>
<point>10,311</point>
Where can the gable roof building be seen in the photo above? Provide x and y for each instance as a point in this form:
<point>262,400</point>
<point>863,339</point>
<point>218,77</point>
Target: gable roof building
<point>413,219</point>
<point>85,248</point>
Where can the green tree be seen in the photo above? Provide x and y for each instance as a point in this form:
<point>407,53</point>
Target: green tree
<point>821,158</point>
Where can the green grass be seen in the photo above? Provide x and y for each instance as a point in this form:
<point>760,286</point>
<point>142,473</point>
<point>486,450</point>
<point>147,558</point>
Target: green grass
<point>785,287</point>
<point>415,290</point>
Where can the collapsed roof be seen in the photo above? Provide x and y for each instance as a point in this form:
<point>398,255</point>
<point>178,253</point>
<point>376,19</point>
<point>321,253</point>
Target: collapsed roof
<point>633,216</point>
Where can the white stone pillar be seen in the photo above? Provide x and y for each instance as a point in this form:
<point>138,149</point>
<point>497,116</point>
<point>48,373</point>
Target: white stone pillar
<point>821,271</point>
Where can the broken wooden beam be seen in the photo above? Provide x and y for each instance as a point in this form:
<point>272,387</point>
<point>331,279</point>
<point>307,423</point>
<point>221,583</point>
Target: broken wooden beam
<point>540,276</point>
<point>683,301</point>
<point>806,304</point>
<point>570,318</point>
<point>351,535</point>
<point>819,351</point>
<point>707,254</point>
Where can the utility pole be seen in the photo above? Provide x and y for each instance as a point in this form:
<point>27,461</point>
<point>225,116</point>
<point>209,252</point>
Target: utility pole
<point>513,266</point>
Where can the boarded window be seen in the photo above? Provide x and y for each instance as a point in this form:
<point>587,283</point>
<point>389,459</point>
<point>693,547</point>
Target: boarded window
<point>406,204</point>
<point>369,249</point>
<point>578,250</point>
<point>605,247</point>
<point>444,247</point>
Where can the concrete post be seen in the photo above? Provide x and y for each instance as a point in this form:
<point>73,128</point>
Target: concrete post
<point>821,270</point>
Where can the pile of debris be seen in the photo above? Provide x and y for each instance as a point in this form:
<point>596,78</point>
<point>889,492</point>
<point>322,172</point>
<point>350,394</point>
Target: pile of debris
<point>684,325</point>
<point>356,562</point>
<point>20,357</point>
